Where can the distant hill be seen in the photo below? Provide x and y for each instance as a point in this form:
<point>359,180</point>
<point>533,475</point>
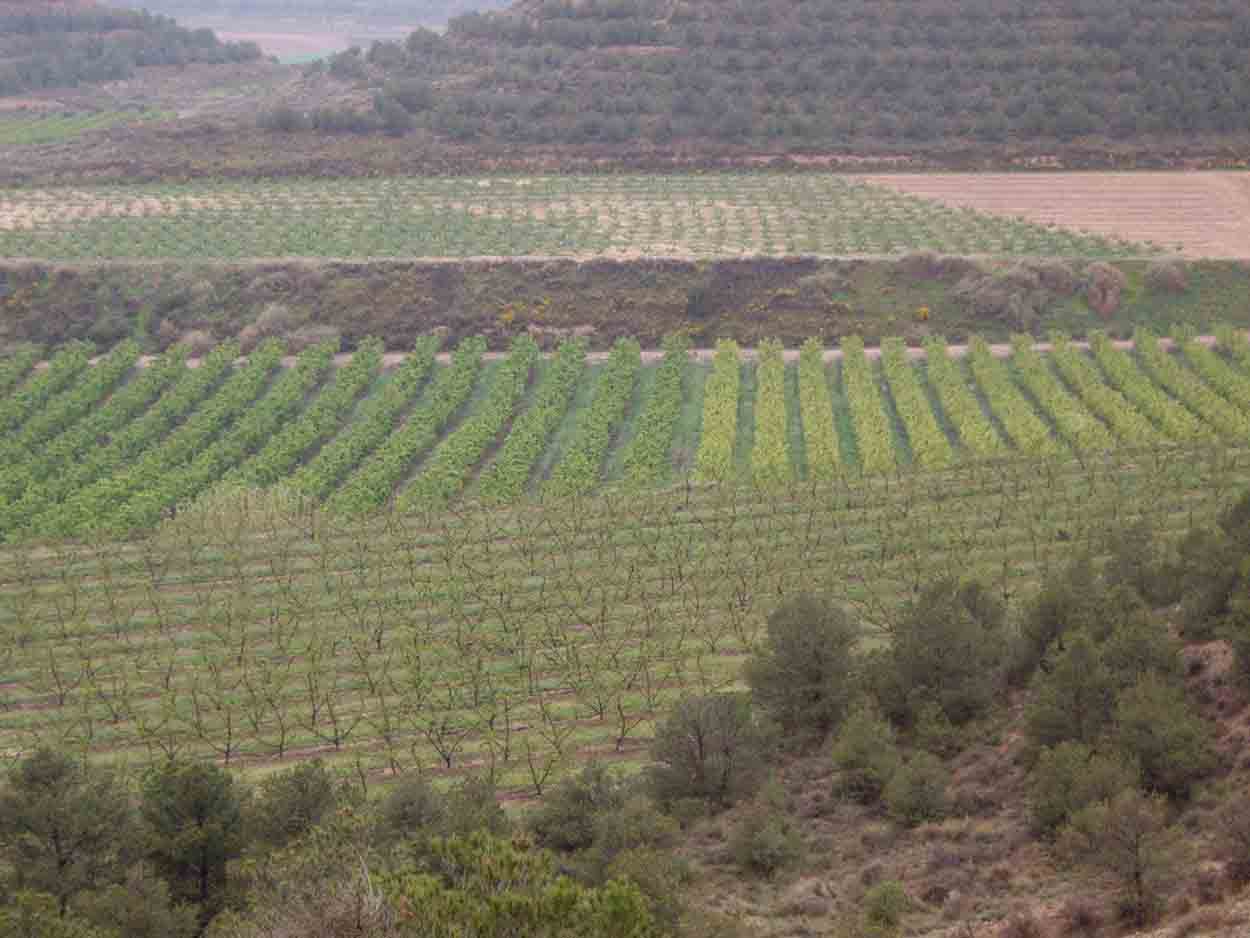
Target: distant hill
<point>58,44</point>
<point>377,11</point>
<point>828,74</point>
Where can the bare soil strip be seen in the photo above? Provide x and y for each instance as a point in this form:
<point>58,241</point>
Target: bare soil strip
<point>1196,214</point>
<point>654,356</point>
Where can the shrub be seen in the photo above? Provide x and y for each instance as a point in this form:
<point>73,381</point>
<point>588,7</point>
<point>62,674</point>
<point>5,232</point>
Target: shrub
<point>1104,286</point>
<point>284,119</point>
<point>141,908</point>
<point>289,803</point>
<point>1071,776</point>
<point>948,647</point>
<point>411,809</point>
<point>864,755</point>
<point>1073,699</point>
<point>1233,832</point>
<point>659,875</point>
<point>566,818</point>
<point>472,806</point>
<point>884,906</point>
<point>1142,645</point>
<point>1128,837</point>
<point>1156,726</point>
<point>1167,276</point>
<point>1210,576</point>
<point>1139,561</point>
<point>802,675</point>
<point>766,839</point>
<point>711,747</point>
<point>917,791</point>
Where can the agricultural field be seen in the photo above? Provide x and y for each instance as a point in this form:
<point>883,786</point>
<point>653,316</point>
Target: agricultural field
<point>516,640</point>
<point>564,544</point>
<point>565,216</point>
<point>112,446</point>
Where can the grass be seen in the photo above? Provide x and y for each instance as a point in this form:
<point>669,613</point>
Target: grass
<point>29,131</point>
<point>583,216</point>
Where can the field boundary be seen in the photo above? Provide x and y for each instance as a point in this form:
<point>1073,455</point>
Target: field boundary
<point>703,355</point>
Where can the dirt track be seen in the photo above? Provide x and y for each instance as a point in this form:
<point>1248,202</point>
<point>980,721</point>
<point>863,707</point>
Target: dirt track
<point>392,359</point>
<point>1196,214</point>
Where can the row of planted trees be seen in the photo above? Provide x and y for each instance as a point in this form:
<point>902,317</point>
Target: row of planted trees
<point>255,627</point>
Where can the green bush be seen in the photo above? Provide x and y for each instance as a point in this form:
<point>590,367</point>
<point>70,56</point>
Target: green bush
<point>1139,562</point>
<point>1071,776</point>
<point>567,817</point>
<point>766,839</point>
<point>864,754</point>
<point>139,908</point>
<point>289,803</point>
<point>884,906</point>
<point>948,646</point>
<point>917,791</point>
<point>410,810</point>
<point>1156,726</point>
<point>802,675</point>
<point>1073,698</point>
<point>1139,645</point>
<point>712,747</point>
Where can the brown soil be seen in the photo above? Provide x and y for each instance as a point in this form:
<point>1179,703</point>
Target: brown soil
<point>1199,214</point>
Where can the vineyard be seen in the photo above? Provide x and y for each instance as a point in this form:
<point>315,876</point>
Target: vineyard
<point>566,216</point>
<point>111,446</point>
<point>554,560</point>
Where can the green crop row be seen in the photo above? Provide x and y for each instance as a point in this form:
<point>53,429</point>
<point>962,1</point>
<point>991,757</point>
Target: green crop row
<point>873,438</point>
<point>581,464</point>
<point>959,402</point>
<point>1028,431</point>
<point>509,472</point>
<point>649,456</point>
<point>770,454</point>
<point>1230,382</point>
<point>444,473</point>
<point>278,458</point>
<point>67,366</point>
<point>375,481</point>
<point>122,407</point>
<point>1105,401</point>
<point>247,434</point>
<point>1189,388</point>
<point>193,386</point>
<point>375,422</point>
<point>96,505</point>
<point>16,365</point>
<point>1175,421</point>
<point>1084,431</point>
<point>820,438</point>
<point>714,461</point>
<point>930,449</point>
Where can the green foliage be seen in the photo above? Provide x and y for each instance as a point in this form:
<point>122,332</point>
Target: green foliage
<point>1074,697</point>
<point>63,825</point>
<point>1139,561</point>
<point>411,810</point>
<point>712,747</point>
<point>802,674</point>
<point>884,906</point>
<point>140,907</point>
<point>32,915</point>
<point>488,888</point>
<point>948,646</point>
<point>916,791</point>
<point>194,821</point>
<point>289,803</point>
<point>1070,777</point>
<point>1128,837</point>
<point>1156,725</point>
<point>865,755</point>
<point>567,817</point>
<point>766,839</point>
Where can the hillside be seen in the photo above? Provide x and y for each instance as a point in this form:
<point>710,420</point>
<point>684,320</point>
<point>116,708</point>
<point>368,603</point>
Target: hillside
<point>839,75</point>
<point>58,44</point>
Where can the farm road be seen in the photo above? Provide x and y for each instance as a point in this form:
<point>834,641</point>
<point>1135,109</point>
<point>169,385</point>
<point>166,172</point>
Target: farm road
<point>1000,350</point>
